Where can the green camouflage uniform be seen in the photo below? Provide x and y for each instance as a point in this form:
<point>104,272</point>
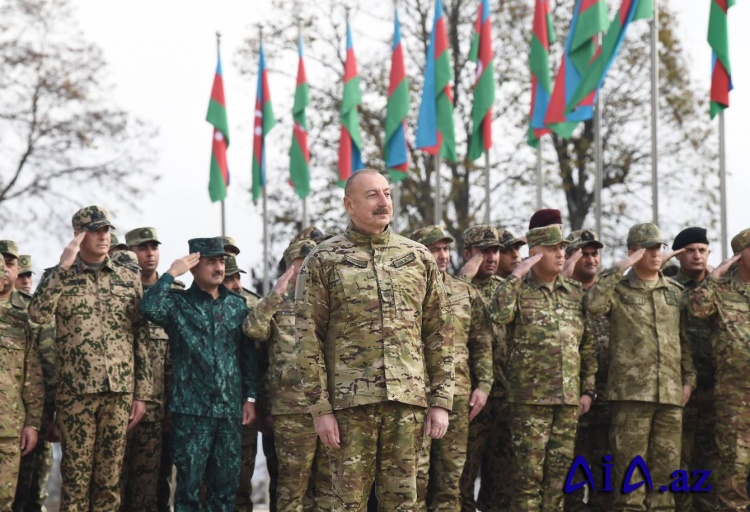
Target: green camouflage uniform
<point>373,321</point>
<point>699,415</point>
<point>21,393</point>
<point>726,302</point>
<point>551,362</point>
<point>646,397</point>
<point>213,372</point>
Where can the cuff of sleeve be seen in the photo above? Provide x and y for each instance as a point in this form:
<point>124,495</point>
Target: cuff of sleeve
<point>439,401</point>
<point>690,380</point>
<point>613,271</point>
<point>167,278</point>
<point>484,386</point>
<point>320,409</point>
<point>274,299</point>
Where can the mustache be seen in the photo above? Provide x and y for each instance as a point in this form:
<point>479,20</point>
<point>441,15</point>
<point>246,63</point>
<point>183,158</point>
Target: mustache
<point>217,274</point>
<point>379,211</point>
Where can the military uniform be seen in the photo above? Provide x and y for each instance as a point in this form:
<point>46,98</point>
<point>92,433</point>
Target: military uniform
<point>441,461</point>
<point>21,398</point>
<point>646,397</point>
<point>102,366</point>
<point>726,303</point>
<point>213,373</point>
<point>373,322</point>
<point>551,363</point>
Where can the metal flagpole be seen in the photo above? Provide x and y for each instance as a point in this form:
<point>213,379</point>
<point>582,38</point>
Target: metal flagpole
<point>395,220</point>
<point>305,217</point>
<point>539,175</point>
<point>487,187</point>
<point>266,270</point>
<point>223,222</point>
<point>723,187</point>
<point>438,199</point>
<point>598,163</point>
<point>655,114</point>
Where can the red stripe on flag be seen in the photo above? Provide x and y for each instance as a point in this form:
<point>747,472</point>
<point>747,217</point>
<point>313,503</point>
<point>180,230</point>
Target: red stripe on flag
<point>441,38</point>
<point>722,4</point>
<point>345,154</point>
<point>487,131</point>
<point>350,66</point>
<point>585,4</point>
<point>217,91</point>
<point>258,133</point>
<point>397,70</point>
<point>720,84</point>
<point>301,136</point>
<point>624,10</point>
<point>485,45</point>
<point>301,76</point>
<point>266,89</point>
<point>220,154</point>
<point>556,107</point>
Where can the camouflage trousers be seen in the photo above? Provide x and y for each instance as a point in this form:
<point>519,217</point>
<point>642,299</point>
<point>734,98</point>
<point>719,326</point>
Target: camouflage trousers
<point>244,498</point>
<point>210,448</point>
<point>543,443</point>
<point>164,487</point>
<point>304,481</point>
<point>10,459</point>
<point>698,449</point>
<point>653,431</point>
<point>379,442</point>
<point>272,465</point>
<point>441,462</point>
<point>92,438</point>
<point>592,442</point>
<point>31,492</point>
<point>140,470</point>
<point>733,443</point>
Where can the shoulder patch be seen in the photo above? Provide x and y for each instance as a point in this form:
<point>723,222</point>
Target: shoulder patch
<point>355,261</point>
<point>404,260</point>
<point>178,284</point>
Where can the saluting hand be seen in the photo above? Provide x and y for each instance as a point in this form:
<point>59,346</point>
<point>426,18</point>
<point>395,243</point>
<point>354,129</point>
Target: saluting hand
<point>722,269</point>
<point>71,251</point>
<point>471,267</point>
<point>665,259</point>
<point>631,260</point>
<point>570,263</point>
<point>283,281</point>
<point>523,269</point>
<point>182,265</point>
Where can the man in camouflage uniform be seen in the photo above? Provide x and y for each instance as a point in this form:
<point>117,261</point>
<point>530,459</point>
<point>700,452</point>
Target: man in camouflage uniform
<point>213,375</point>
<point>441,462</point>
<point>724,299</point>
<point>21,393</point>
<point>550,370</point>
<point>699,416</point>
<point>373,323</point>
<point>651,373</point>
<point>143,454</point>
<point>303,465</point>
<point>592,437</point>
<point>103,369</point>
<point>510,253</point>
<point>24,282</point>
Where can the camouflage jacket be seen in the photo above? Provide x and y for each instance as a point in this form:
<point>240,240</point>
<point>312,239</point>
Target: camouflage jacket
<point>372,317</point>
<point>21,384</point>
<point>649,353</point>
<point>473,336</point>
<point>258,319</point>
<point>598,326</point>
<point>551,357</point>
<point>487,288</point>
<point>213,363</point>
<point>699,332</point>
<point>100,337</point>
<point>726,303</point>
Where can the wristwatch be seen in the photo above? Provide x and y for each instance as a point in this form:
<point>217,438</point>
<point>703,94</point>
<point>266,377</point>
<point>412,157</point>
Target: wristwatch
<point>591,394</point>
<point>250,400</point>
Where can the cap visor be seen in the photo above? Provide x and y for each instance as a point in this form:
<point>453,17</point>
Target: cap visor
<point>214,254</point>
<point>233,272</point>
<point>96,225</point>
<point>232,249</point>
<point>651,243</point>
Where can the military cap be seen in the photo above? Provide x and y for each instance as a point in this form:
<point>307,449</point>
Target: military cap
<point>230,245</point>
<point>690,236</point>
<point>545,217</point>
<point>429,235</point>
<point>91,218</point>
<point>127,258</point>
<point>24,264</point>
<point>581,238</point>
<point>115,244</point>
<point>310,233</point>
<point>140,236</point>
<point>507,240</point>
<point>9,248</point>
<point>208,247</point>
<point>645,235</point>
<point>481,237</point>
<point>299,249</point>
<point>545,236</point>
<point>741,241</point>
<point>231,267</point>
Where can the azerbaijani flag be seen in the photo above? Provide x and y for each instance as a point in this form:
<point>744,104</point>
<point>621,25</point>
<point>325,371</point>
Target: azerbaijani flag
<point>299,155</point>
<point>350,145</point>
<point>593,78</point>
<point>484,83</point>
<point>435,131</point>
<point>589,19</point>
<point>543,33</point>
<point>718,39</point>
<point>264,121</point>
<point>218,179</point>
<point>396,149</point>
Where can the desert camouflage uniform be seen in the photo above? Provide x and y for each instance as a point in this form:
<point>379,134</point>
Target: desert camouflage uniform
<point>646,397</point>
<point>21,393</point>
<point>726,302</point>
<point>373,321</point>
<point>102,366</point>
<point>551,362</point>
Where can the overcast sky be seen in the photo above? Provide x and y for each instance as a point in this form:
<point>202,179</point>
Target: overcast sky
<point>162,57</point>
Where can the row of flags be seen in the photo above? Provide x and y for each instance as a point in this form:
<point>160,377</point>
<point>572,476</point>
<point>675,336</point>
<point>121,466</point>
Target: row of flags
<point>557,107</point>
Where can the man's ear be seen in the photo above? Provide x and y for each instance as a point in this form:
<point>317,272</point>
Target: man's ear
<point>348,205</point>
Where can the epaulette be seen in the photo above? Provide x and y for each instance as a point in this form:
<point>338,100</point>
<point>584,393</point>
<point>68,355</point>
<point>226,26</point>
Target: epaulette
<point>675,282</point>
<point>251,293</point>
<point>572,281</point>
<point>178,284</point>
<point>177,290</point>
<point>133,269</point>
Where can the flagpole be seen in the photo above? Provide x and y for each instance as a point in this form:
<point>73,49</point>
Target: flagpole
<point>723,187</point>
<point>223,217</point>
<point>655,114</point>
<point>598,162</point>
<point>438,200</point>
<point>266,276</point>
<point>395,222</point>
<point>539,175</point>
<point>487,187</point>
